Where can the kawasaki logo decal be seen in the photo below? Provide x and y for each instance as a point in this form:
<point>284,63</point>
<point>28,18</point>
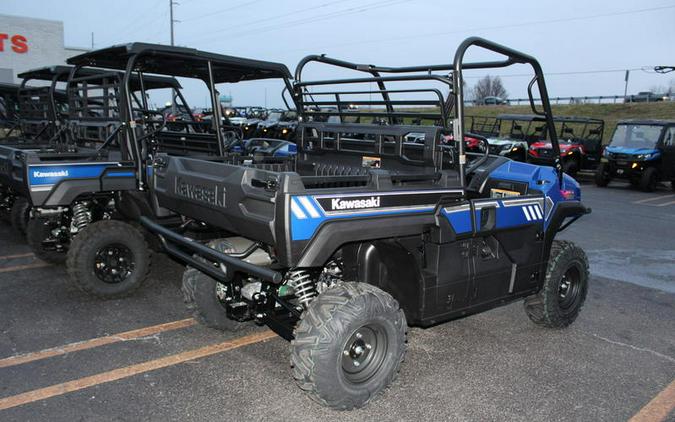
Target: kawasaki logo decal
<point>61,173</point>
<point>50,174</point>
<point>354,204</point>
<point>211,195</point>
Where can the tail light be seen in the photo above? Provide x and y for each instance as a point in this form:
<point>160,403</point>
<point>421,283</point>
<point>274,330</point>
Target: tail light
<point>567,194</point>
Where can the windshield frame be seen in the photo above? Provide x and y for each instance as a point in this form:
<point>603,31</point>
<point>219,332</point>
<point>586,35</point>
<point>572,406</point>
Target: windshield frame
<point>628,140</point>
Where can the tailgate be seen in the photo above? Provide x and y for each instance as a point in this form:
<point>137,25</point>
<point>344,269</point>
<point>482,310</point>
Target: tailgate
<point>235,198</point>
<point>12,168</point>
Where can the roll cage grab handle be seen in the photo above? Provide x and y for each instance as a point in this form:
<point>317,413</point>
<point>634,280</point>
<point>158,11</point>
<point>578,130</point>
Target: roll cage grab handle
<point>513,57</point>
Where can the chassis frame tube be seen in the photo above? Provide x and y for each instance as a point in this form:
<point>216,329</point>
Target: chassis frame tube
<point>232,264</point>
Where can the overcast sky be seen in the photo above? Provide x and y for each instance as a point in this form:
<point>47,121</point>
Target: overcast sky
<point>583,46</point>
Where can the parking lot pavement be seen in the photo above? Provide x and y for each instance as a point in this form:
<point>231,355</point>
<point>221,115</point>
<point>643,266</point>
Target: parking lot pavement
<point>142,358</point>
<point>629,236</point>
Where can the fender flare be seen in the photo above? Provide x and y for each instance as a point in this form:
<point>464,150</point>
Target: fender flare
<point>562,211</point>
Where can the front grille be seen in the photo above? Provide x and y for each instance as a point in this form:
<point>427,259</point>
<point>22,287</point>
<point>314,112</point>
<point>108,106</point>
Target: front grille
<point>495,149</point>
<point>619,156</point>
<point>545,152</point>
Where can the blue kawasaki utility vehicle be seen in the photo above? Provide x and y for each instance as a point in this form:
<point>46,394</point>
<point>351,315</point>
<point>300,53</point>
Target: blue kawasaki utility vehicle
<point>85,204</point>
<point>37,114</point>
<point>641,151</point>
<point>341,247</point>
<point>9,109</point>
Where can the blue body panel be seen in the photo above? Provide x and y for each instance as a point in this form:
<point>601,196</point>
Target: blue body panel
<point>50,174</point>
<point>653,153</point>
<point>306,214</point>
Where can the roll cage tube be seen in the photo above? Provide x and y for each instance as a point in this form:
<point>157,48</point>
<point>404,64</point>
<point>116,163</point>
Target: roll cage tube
<point>52,116</point>
<point>375,72</point>
<point>364,68</point>
<point>132,140</point>
<point>513,57</point>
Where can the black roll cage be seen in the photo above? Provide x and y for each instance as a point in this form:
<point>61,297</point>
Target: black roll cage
<point>9,107</point>
<point>54,75</point>
<point>130,58</point>
<point>513,57</point>
<point>454,81</point>
<point>590,127</point>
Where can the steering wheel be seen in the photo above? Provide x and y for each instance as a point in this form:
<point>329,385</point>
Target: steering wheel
<point>158,125</point>
<point>232,138</point>
<point>474,165</point>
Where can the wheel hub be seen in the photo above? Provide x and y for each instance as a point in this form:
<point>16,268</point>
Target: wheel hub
<point>569,289</point>
<point>363,353</point>
<point>113,263</point>
<point>564,287</point>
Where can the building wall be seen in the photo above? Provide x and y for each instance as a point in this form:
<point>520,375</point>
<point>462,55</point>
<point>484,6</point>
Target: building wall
<point>28,43</point>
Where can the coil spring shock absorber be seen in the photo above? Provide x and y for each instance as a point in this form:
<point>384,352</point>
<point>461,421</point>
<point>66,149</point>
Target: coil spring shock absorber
<point>303,285</point>
<point>81,216</point>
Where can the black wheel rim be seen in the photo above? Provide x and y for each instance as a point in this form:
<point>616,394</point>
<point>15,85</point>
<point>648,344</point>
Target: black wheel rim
<point>569,289</point>
<point>364,353</point>
<point>113,263</point>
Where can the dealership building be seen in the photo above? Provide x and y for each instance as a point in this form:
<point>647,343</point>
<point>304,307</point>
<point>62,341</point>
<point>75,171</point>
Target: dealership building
<point>28,43</point>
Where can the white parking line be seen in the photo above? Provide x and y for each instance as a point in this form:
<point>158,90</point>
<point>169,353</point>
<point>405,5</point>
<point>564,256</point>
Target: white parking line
<point>653,198</point>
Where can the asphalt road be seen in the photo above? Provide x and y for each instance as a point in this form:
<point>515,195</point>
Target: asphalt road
<point>617,357</point>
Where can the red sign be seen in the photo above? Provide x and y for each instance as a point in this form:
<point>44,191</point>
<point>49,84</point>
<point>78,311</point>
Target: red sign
<point>18,43</point>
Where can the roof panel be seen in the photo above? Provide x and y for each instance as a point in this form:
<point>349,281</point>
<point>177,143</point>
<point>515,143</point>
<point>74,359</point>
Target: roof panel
<point>182,61</point>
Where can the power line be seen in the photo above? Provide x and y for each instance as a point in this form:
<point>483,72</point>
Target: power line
<point>291,13</point>
<point>312,19</point>
<point>221,11</point>
<point>132,26</point>
<point>488,28</point>
<point>577,72</point>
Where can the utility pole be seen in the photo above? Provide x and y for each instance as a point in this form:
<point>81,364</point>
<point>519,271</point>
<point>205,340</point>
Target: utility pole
<point>92,40</point>
<point>625,89</point>
<point>171,22</point>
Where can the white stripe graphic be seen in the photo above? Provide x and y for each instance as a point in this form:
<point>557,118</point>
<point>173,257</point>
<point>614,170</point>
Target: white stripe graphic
<point>297,211</point>
<point>532,213</point>
<point>527,214</point>
<point>309,207</point>
<point>538,210</point>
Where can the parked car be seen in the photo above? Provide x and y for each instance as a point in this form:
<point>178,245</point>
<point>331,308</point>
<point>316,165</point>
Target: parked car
<point>492,101</point>
<point>644,97</point>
